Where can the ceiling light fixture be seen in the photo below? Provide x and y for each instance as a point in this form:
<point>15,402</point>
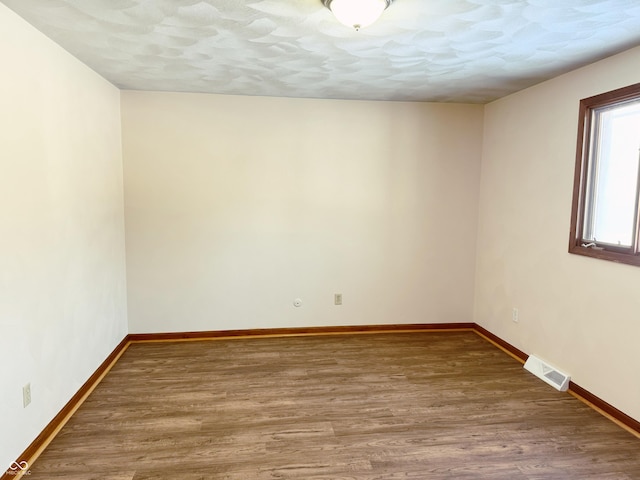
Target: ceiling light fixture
<point>357,13</point>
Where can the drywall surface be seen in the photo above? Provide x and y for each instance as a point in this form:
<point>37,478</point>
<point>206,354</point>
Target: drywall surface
<point>580,314</point>
<point>62,272</point>
<point>236,206</point>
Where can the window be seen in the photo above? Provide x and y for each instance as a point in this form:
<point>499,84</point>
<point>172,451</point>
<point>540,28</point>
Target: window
<point>605,218</point>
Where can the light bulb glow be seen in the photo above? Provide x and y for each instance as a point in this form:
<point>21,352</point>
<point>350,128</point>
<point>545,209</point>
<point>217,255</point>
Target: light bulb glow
<point>358,13</point>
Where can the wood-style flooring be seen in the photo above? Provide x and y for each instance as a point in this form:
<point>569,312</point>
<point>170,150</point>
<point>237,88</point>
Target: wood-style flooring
<point>446,405</point>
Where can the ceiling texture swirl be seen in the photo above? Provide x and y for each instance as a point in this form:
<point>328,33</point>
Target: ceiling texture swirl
<point>419,50</point>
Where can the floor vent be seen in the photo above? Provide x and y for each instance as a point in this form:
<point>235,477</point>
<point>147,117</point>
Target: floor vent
<point>547,373</point>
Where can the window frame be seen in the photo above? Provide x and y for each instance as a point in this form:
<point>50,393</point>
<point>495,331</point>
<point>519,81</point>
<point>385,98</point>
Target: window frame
<point>581,180</point>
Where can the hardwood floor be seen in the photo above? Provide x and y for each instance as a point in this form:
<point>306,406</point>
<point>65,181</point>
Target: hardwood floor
<point>445,405</point>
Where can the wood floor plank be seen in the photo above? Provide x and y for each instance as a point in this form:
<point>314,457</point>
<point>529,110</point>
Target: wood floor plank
<point>445,405</point>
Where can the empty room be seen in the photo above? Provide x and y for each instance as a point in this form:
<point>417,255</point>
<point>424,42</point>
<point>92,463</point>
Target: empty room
<point>320,239</point>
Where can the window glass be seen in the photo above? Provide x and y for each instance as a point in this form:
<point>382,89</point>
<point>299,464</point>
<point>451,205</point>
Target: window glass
<point>613,175</point>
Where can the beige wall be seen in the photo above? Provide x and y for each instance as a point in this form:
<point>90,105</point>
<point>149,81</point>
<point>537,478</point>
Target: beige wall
<point>235,206</point>
<point>581,314</point>
<point>62,274</point>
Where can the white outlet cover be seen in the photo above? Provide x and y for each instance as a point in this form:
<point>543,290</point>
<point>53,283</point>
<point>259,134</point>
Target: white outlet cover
<point>297,302</point>
<point>26,395</point>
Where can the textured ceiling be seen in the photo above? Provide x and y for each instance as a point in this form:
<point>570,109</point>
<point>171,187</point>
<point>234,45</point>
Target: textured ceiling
<point>424,50</point>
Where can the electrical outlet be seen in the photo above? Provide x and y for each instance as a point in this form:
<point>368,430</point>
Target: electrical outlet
<point>337,299</point>
<point>514,315</point>
<point>26,395</point>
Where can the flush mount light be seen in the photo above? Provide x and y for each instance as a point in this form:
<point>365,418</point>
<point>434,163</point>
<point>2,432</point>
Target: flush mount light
<point>357,13</point>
